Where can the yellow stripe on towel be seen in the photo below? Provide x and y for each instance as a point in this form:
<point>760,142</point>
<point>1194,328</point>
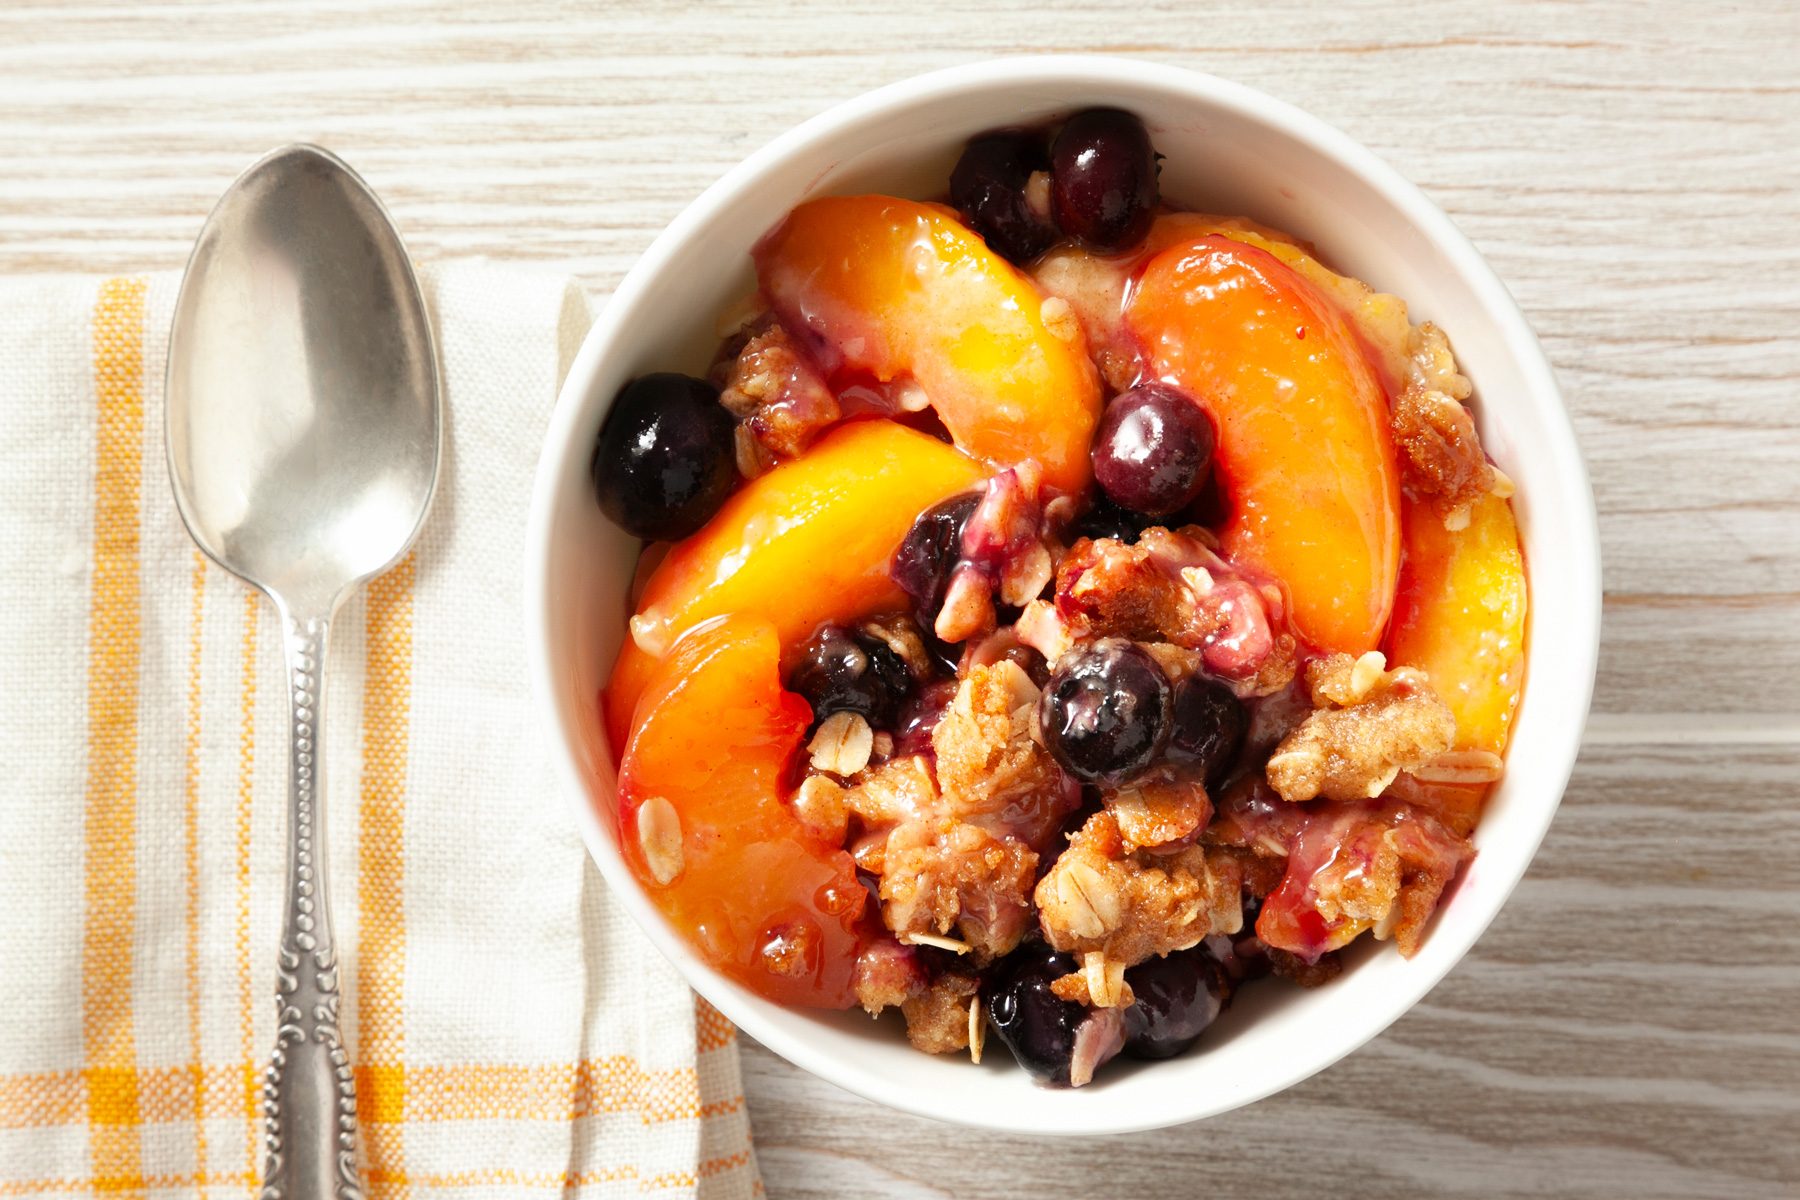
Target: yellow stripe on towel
<point>381,879</point>
<point>109,1045</point>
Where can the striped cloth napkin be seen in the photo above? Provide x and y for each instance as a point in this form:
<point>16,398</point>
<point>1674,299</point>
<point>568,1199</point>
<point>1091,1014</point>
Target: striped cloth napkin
<point>513,1033</point>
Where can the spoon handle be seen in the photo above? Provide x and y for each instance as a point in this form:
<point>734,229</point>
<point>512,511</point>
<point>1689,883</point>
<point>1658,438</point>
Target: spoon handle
<point>309,1097</point>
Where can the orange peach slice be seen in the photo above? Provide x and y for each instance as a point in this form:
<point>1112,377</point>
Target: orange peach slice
<point>1094,285</point>
<point>806,543</point>
<point>1304,452</point>
<point>1460,617</point>
<point>704,827</point>
<point>902,291</point>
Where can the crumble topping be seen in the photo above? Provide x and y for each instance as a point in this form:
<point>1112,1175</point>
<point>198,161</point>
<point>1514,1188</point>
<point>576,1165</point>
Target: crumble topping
<point>1390,878</point>
<point>957,853</point>
<point>1370,725</point>
<point>938,1018</point>
<point>1159,807</point>
<point>1440,453</point>
<point>1170,586</point>
<point>953,875</point>
<point>899,789</point>
<point>778,397</point>
<point>1129,905</point>
<point>887,975</point>
<point>989,761</point>
<point>1357,867</point>
<point>1431,365</point>
<point>819,803</point>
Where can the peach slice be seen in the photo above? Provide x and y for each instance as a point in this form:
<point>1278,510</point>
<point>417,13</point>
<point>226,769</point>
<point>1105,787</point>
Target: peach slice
<point>703,824</point>
<point>1460,616</point>
<point>1304,452</point>
<point>902,291</point>
<point>1380,318</point>
<point>806,543</point>
<point>1094,285</point>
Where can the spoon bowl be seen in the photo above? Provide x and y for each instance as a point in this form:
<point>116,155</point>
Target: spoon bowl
<point>304,447</point>
<point>303,430</point>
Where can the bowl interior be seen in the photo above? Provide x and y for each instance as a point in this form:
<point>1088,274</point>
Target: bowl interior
<point>1228,150</point>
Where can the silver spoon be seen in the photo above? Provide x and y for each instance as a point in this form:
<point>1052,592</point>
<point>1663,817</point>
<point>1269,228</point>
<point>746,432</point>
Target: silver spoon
<point>303,430</point>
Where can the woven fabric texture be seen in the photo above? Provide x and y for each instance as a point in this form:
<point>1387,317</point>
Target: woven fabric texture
<point>513,1034</point>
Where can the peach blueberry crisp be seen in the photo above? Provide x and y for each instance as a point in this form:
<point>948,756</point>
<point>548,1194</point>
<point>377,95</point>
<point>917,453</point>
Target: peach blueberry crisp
<point>1062,612</point>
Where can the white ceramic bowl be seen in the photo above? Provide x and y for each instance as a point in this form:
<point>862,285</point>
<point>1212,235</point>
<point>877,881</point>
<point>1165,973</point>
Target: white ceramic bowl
<point>1227,149</point>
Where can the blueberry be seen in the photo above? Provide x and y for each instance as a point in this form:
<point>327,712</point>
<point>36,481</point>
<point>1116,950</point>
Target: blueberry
<point>1036,1025</point>
<point>665,460</point>
<point>1104,714</point>
<point>1176,998</point>
<point>1153,450</point>
<point>1103,178</point>
<point>988,187</point>
<point>843,670</point>
<point>922,564</point>
<point>1208,726</point>
<point>1107,520</point>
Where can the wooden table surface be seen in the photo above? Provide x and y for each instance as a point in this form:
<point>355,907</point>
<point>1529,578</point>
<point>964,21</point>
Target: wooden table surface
<point>1630,1026</point>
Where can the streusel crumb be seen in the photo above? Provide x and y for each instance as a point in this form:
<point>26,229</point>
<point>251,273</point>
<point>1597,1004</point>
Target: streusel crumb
<point>987,757</point>
<point>773,389</point>
<point>1371,724</point>
<point>1440,451</point>
<point>1160,807</point>
<point>937,1018</point>
<point>1130,905</point>
<point>887,975</point>
<point>955,875</point>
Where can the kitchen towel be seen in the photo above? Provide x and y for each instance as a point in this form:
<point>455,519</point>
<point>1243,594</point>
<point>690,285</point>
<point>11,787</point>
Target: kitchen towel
<point>512,1032</point>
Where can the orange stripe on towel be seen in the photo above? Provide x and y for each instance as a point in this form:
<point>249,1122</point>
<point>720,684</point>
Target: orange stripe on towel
<point>381,877</point>
<point>114,632</point>
<point>711,1030</point>
<point>555,1092</point>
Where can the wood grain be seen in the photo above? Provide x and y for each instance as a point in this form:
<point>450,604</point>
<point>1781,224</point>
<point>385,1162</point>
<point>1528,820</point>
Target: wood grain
<point>1631,1024</point>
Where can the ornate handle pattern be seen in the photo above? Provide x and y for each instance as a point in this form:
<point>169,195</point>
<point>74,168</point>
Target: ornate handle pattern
<point>309,1096</point>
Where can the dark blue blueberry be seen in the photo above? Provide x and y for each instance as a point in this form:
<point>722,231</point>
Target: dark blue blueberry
<point>922,564</point>
<point>1103,178</point>
<point>1208,727</point>
<point>1036,1025</point>
<point>1104,714</point>
<point>1175,998</point>
<point>665,460</point>
<point>844,670</point>
<point>988,187</point>
<point>1153,451</point>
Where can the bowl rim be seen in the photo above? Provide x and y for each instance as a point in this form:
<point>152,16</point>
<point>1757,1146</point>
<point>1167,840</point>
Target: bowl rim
<point>1578,525</point>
